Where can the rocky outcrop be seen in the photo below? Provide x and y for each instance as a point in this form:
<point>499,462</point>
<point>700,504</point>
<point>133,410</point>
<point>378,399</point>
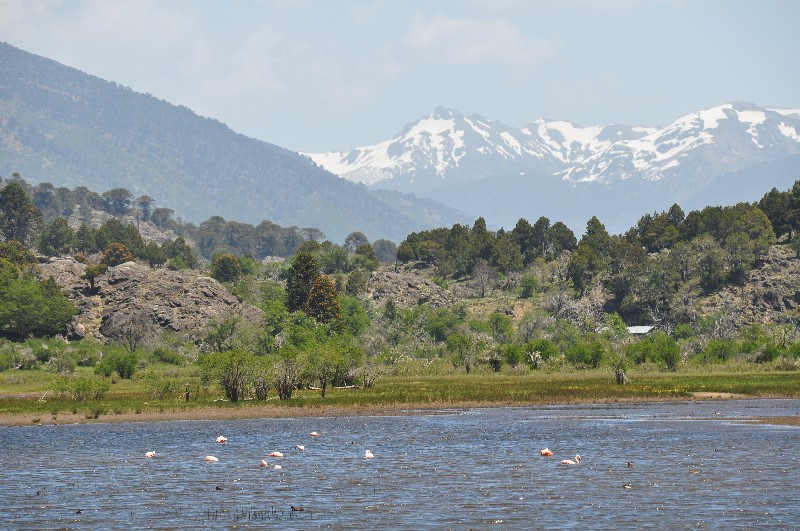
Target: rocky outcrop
<point>181,302</point>
<point>771,293</point>
<point>406,290</point>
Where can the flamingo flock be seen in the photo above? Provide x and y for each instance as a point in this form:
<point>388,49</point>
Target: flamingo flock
<point>263,463</point>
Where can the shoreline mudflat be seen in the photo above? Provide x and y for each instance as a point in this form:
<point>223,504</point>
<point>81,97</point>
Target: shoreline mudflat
<point>253,411</point>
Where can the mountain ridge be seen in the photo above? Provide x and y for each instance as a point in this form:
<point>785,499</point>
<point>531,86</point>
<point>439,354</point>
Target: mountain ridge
<point>70,128</point>
<point>690,157</point>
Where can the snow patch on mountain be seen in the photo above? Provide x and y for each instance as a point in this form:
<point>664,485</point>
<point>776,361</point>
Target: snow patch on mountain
<point>445,143</point>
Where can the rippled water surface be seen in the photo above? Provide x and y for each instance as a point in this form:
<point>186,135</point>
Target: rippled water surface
<point>695,465</point>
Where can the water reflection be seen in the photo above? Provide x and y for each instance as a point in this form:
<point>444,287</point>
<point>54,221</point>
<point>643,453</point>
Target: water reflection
<point>694,464</point>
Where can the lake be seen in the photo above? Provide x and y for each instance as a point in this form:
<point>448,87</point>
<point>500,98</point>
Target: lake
<point>694,465</point>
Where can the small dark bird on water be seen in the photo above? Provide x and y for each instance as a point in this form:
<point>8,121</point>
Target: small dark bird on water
<point>630,465</point>
<point>78,512</point>
<point>297,508</point>
<point>219,488</point>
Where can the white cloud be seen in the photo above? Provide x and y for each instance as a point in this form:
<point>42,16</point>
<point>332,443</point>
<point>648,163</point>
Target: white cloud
<point>471,42</point>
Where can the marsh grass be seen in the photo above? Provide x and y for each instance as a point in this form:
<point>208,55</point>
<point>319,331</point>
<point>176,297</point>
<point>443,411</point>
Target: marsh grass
<point>437,390</point>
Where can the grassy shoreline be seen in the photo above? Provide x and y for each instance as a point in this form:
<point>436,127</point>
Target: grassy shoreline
<point>395,395</point>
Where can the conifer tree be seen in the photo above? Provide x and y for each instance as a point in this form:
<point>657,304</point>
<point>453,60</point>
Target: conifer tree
<point>302,273</point>
<point>323,302</point>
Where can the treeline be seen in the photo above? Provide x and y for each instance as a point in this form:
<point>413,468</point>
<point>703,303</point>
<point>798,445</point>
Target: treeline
<point>654,270</point>
<point>213,236</point>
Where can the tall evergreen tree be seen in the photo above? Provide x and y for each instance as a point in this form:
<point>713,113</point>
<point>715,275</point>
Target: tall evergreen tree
<point>323,302</point>
<point>19,218</point>
<point>302,273</point>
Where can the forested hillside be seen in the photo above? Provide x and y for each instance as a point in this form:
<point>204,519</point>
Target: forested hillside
<point>72,129</point>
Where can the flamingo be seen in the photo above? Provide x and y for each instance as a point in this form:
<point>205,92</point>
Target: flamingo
<point>314,434</point>
<point>278,467</point>
<point>546,452</point>
<point>151,453</point>
<point>577,461</point>
<point>263,463</point>
<point>222,439</point>
<point>210,459</point>
<point>368,455</point>
<point>275,454</point>
<point>300,447</point>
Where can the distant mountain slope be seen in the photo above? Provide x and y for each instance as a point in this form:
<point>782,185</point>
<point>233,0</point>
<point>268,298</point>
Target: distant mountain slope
<point>60,125</point>
<point>735,151</point>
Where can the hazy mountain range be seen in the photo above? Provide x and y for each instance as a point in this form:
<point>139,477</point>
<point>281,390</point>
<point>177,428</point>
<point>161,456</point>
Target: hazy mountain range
<point>733,152</point>
<point>68,128</point>
<point>63,126</point>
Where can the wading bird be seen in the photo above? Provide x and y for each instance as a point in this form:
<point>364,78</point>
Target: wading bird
<point>546,452</point>
<point>571,462</point>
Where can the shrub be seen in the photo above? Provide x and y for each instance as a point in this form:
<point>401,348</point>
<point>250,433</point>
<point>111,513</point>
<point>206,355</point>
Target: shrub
<point>719,350</point>
<point>81,389</point>
<point>30,308</point>
<point>226,268</point>
<point>586,353</point>
<point>528,286</point>
<point>123,363</point>
<point>167,356</point>
<point>656,348</point>
<point>770,352</point>
<point>116,254</point>
<point>61,363</point>
<point>538,350</point>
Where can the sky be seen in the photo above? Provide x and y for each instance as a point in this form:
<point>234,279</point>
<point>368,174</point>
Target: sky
<point>325,75</point>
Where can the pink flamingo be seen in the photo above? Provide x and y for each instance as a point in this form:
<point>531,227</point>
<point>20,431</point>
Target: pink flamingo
<point>275,454</point>
<point>222,439</point>
<point>152,453</point>
<point>546,452</point>
<point>368,455</point>
<point>314,434</point>
<point>300,447</point>
<point>577,461</point>
<point>210,459</point>
<point>263,463</point>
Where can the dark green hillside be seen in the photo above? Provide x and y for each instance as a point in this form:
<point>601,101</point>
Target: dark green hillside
<point>60,125</point>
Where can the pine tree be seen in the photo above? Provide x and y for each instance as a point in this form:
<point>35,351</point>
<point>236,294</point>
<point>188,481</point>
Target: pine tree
<point>302,273</point>
<point>323,302</point>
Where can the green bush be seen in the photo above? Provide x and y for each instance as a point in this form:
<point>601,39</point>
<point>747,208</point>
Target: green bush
<point>656,348</point>
<point>167,356</point>
<point>83,388</point>
<point>513,354</point>
<point>30,308</point>
<point>586,354</point>
<point>226,268</point>
<point>61,363</point>
<point>719,350</point>
<point>541,347</point>
<point>528,286</point>
<point>123,363</point>
<point>770,352</point>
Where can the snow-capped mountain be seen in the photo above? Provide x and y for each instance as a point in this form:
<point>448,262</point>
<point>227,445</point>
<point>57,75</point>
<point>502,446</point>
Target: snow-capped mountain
<point>447,143</point>
<point>482,166</point>
<point>710,142</point>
